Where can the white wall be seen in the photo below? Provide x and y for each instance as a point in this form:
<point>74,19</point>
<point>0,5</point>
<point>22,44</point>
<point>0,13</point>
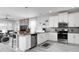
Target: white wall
<point>42,22</point>
<point>6,25</point>
<point>32,25</point>
<point>16,25</point>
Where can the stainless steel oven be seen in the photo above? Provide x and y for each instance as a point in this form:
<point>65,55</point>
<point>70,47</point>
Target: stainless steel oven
<point>63,32</point>
<point>62,35</point>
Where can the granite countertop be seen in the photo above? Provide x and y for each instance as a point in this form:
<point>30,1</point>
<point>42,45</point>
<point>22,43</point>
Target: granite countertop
<point>45,32</point>
<point>55,30</point>
<point>73,30</point>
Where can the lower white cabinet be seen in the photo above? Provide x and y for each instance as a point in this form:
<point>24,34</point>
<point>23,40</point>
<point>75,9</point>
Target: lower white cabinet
<point>46,36</point>
<point>42,37</point>
<point>53,36</point>
<point>53,21</point>
<point>77,39</point>
<point>73,38</point>
<point>24,42</point>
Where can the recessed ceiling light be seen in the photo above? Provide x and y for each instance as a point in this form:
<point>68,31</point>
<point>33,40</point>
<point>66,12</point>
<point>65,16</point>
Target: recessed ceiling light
<point>50,11</point>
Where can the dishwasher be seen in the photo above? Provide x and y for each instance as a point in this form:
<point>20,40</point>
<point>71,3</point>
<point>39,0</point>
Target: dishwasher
<point>33,40</point>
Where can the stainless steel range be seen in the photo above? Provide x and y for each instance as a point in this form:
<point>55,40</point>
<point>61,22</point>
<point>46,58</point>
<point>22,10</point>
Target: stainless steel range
<point>63,33</point>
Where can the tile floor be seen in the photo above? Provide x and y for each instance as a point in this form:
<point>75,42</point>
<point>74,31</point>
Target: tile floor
<point>5,48</point>
<point>56,47</point>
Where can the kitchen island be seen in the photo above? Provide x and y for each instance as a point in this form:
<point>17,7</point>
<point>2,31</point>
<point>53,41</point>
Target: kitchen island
<point>24,42</point>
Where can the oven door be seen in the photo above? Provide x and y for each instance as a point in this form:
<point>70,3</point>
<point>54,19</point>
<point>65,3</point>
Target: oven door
<point>62,36</point>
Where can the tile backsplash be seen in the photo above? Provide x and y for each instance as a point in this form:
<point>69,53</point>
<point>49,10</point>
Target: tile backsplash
<point>73,29</point>
<point>70,29</point>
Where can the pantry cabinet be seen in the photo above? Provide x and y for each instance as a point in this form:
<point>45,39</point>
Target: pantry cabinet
<point>74,20</point>
<point>73,38</point>
<point>24,42</point>
<point>42,37</point>
<point>53,21</point>
<point>53,36</point>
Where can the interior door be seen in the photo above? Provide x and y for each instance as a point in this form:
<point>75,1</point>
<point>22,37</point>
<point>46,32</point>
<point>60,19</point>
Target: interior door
<point>33,40</point>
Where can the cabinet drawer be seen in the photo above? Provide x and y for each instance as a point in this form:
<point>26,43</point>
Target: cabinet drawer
<point>42,38</point>
<point>53,36</point>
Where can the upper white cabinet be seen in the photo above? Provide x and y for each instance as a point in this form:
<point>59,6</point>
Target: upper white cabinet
<point>74,20</point>
<point>63,17</point>
<point>53,21</point>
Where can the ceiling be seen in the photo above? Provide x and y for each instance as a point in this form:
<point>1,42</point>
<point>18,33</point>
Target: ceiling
<point>22,12</point>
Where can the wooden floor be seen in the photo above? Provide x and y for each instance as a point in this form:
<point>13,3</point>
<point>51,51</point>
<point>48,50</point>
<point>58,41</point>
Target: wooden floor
<point>56,47</point>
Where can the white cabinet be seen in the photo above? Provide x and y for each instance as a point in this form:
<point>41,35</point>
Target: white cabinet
<point>46,36</point>
<point>76,38</point>
<point>71,20</point>
<point>42,37</point>
<point>73,38</point>
<point>74,20</point>
<point>24,42</point>
<point>53,36</point>
<point>63,17</point>
<point>53,21</point>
